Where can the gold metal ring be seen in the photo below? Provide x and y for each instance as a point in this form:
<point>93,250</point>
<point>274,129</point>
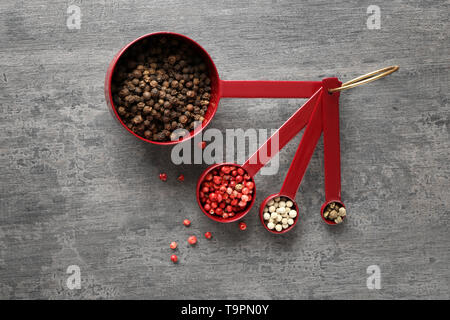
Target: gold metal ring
<point>369,77</point>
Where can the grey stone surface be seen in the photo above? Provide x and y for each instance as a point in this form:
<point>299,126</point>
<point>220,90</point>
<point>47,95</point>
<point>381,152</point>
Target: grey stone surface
<point>76,189</point>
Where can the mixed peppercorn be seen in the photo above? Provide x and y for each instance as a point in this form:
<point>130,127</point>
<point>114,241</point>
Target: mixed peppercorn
<point>161,85</point>
<point>335,212</point>
<point>226,191</point>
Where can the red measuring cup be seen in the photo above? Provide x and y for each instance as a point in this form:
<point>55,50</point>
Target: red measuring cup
<point>331,147</point>
<point>283,135</point>
<point>219,88</point>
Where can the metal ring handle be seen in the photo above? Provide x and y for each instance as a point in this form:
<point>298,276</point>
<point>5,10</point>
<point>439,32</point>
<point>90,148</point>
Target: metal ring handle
<point>369,77</point>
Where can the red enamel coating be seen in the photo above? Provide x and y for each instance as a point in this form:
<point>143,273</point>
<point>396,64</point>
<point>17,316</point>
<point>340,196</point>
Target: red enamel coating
<point>219,88</point>
<point>283,135</point>
<point>331,146</point>
<point>268,89</point>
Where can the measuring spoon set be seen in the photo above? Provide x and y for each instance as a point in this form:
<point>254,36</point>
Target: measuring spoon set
<point>320,114</point>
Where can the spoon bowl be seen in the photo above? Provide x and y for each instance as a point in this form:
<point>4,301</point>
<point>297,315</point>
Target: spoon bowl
<point>263,205</point>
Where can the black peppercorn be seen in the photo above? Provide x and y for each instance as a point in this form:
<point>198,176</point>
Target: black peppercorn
<point>172,59</point>
<point>121,110</point>
<point>137,74</point>
<point>146,95</point>
<point>156,92</point>
<point>183,119</point>
<point>138,119</point>
<point>124,92</point>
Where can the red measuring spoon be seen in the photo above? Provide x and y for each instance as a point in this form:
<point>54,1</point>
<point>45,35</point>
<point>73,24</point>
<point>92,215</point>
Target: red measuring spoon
<point>325,118</point>
<point>331,147</point>
<point>299,164</point>
<point>219,88</point>
<point>269,149</point>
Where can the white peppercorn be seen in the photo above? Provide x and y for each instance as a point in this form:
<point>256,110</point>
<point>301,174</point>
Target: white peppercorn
<point>292,214</point>
<point>279,213</point>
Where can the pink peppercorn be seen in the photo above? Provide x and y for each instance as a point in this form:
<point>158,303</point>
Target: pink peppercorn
<point>192,240</point>
<point>201,144</point>
<point>225,190</point>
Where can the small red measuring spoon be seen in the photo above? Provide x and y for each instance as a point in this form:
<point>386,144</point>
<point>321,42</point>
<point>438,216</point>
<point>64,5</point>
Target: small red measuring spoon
<point>299,164</point>
<point>325,117</point>
<point>269,149</point>
<point>331,147</point>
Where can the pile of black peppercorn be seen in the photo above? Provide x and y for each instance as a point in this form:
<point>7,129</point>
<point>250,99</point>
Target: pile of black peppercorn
<point>161,85</point>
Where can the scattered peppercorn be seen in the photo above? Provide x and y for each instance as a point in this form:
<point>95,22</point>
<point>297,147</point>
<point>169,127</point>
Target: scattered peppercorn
<point>242,225</point>
<point>163,177</point>
<point>335,212</point>
<point>186,222</point>
<point>221,194</point>
<point>161,85</point>
<point>208,235</point>
<point>174,258</point>
<point>173,245</point>
<point>192,240</point>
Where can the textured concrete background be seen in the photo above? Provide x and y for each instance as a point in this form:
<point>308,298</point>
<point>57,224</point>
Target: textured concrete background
<point>76,189</point>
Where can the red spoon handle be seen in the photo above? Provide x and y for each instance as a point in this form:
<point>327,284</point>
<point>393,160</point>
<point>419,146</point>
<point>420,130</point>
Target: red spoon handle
<point>331,144</point>
<point>304,152</point>
<point>282,136</point>
<point>268,89</point>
